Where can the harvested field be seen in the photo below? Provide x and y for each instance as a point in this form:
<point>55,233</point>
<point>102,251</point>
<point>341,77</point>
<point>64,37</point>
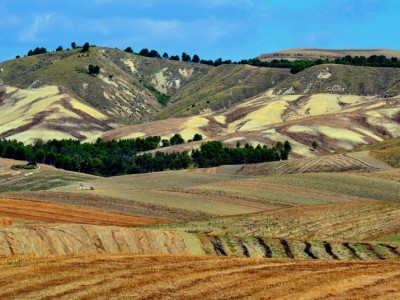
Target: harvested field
<point>72,239</point>
<point>362,221</point>
<point>46,177</point>
<point>35,211</point>
<point>193,194</point>
<point>328,163</point>
<point>185,277</point>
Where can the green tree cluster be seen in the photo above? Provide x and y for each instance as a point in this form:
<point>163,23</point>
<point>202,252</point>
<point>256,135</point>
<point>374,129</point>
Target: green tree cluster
<point>110,158</point>
<point>213,153</point>
<point>93,69</point>
<point>37,51</point>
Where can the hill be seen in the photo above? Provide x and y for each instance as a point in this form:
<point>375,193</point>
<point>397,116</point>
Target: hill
<point>314,54</point>
<point>337,122</point>
<point>52,95</point>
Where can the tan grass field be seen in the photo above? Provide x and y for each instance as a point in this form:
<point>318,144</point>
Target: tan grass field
<point>193,277</point>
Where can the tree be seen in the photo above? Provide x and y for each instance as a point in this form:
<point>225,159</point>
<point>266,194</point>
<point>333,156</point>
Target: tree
<point>144,52</point>
<point>185,57</point>
<point>9,151</point>
<point>176,139</point>
<point>165,55</point>
<point>314,144</point>
<point>218,62</point>
<point>196,59</point>
<point>59,48</point>
<point>165,143</point>
<point>128,49</point>
<point>20,153</point>
<point>287,146</point>
<point>94,70</point>
<point>85,47</point>
<point>73,45</point>
<point>154,54</point>
<point>174,57</point>
<point>197,137</point>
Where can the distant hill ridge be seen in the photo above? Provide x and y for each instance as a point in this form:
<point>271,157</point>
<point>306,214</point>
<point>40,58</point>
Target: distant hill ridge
<point>314,54</point>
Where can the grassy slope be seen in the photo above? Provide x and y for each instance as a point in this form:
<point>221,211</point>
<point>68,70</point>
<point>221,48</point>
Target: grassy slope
<point>344,80</point>
<point>221,88</point>
<point>387,151</point>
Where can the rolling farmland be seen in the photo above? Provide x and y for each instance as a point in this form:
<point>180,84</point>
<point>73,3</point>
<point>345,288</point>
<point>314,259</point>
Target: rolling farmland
<point>281,228</point>
<point>171,277</point>
<point>35,211</point>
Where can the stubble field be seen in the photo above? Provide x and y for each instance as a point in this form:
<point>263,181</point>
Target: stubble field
<point>192,277</point>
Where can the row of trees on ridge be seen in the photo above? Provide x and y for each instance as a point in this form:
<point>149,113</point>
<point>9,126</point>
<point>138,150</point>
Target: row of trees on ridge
<point>110,158</point>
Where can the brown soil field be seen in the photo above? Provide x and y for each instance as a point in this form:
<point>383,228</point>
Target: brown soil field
<point>192,277</point>
<point>34,211</point>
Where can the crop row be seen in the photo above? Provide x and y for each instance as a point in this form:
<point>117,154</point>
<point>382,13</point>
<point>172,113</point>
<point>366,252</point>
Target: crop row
<point>283,248</point>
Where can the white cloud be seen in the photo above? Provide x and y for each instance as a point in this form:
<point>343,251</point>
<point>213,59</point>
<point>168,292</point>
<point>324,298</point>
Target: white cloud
<point>29,34</point>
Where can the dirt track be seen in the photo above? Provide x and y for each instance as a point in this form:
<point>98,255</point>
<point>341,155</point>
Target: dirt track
<point>184,277</point>
<point>23,210</point>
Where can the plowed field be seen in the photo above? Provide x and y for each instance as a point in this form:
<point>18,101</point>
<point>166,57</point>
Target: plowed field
<point>328,163</point>
<point>23,210</point>
<point>184,277</point>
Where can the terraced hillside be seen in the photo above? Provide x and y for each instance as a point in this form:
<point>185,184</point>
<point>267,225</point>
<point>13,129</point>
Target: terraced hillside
<point>155,277</point>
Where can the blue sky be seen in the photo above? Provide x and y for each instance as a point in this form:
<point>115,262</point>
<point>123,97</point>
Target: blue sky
<point>230,29</point>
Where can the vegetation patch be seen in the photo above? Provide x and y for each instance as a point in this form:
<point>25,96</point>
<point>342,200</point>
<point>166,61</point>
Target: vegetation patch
<point>161,97</point>
<point>28,166</point>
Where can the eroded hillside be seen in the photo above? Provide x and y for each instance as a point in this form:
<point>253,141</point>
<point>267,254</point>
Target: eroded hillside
<point>337,122</point>
<point>46,113</point>
<point>340,107</point>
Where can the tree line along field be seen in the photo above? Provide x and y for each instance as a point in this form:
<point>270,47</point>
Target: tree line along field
<point>130,156</point>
